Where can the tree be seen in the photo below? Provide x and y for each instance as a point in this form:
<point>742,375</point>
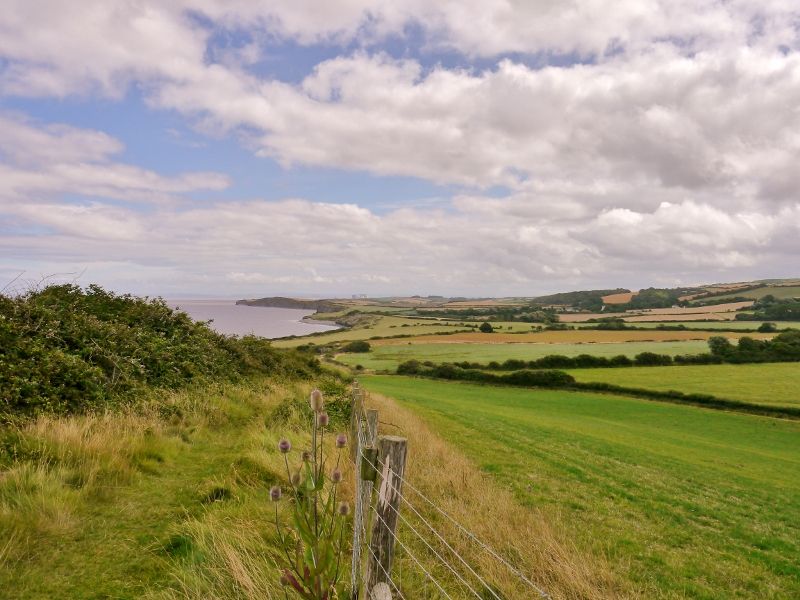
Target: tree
<point>720,346</point>
<point>768,327</point>
<point>486,327</point>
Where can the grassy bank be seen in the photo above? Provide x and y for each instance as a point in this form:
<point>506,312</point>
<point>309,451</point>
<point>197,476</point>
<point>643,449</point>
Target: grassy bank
<point>682,501</point>
<point>167,502</point>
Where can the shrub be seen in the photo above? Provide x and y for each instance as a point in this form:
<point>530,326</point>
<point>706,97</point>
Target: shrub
<point>409,367</point>
<point>650,359</point>
<point>486,327</point>
<point>64,349</point>
<point>357,346</point>
<point>767,327</point>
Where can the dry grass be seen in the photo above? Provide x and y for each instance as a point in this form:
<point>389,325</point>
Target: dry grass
<point>576,336</point>
<point>521,534</point>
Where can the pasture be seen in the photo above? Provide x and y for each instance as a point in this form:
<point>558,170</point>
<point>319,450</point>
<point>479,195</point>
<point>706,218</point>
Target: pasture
<point>779,291</point>
<point>775,384</point>
<point>682,501</point>
<point>387,357</point>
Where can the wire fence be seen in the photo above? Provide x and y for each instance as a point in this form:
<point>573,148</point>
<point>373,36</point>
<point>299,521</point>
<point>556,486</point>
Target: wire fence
<point>431,552</point>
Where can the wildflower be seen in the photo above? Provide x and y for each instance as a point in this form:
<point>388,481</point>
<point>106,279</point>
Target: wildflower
<point>284,446</point>
<point>336,476</point>
<point>306,456</point>
<point>344,509</point>
<point>316,401</point>
<point>275,493</point>
<point>323,419</point>
<point>341,440</point>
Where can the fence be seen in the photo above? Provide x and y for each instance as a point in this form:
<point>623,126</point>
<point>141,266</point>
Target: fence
<point>380,504</point>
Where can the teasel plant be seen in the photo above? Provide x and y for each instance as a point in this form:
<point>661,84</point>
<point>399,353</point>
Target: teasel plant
<point>313,544</point>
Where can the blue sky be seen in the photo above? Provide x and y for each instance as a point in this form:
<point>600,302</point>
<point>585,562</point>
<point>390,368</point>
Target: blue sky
<point>468,148</point>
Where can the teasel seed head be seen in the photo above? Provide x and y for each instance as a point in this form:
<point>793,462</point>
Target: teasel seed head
<point>316,401</point>
<point>275,493</point>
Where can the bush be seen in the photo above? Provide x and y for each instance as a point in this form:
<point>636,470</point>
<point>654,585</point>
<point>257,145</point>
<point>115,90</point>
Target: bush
<point>357,346</point>
<point>651,359</point>
<point>767,328</point>
<point>64,349</point>
<point>409,367</point>
<point>486,327</point>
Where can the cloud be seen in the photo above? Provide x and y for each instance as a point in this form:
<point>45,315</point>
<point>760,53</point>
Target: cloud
<point>261,247</point>
<point>42,160</point>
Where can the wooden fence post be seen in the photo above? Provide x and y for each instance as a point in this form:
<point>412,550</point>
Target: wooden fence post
<point>364,436</point>
<point>391,464</point>
<point>380,592</point>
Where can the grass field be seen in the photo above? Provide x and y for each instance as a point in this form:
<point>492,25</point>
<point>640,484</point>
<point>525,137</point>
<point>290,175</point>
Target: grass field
<point>387,358</point>
<point>776,384</point>
<point>683,501</point>
<point>779,291</point>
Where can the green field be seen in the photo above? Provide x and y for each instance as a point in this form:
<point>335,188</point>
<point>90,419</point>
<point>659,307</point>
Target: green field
<point>389,325</point>
<point>386,358</point>
<point>776,384</point>
<point>379,326</point>
<point>684,501</point>
<point>785,291</point>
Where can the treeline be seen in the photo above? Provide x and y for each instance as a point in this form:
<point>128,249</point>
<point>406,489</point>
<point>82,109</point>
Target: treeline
<point>520,314</point>
<point>771,308</point>
<point>540,378</point>
<point>66,349</point>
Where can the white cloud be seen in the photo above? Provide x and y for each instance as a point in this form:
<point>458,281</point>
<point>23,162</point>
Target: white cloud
<point>42,160</point>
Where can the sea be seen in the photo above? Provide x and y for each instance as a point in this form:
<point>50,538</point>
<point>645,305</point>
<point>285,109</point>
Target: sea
<point>231,319</point>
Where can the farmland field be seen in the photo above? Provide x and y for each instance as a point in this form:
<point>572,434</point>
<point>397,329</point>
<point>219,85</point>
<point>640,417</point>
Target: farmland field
<point>380,326</point>
<point>776,384</point>
<point>705,324</point>
<point>683,501</point>
<point>578,336</point>
<point>388,357</point>
<point>779,291</point>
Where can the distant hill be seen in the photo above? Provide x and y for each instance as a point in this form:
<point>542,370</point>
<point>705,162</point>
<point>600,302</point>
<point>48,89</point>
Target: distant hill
<point>282,302</point>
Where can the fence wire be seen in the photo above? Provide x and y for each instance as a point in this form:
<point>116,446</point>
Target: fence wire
<point>365,507</point>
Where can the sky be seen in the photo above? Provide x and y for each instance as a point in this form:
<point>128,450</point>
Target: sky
<point>247,148</point>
